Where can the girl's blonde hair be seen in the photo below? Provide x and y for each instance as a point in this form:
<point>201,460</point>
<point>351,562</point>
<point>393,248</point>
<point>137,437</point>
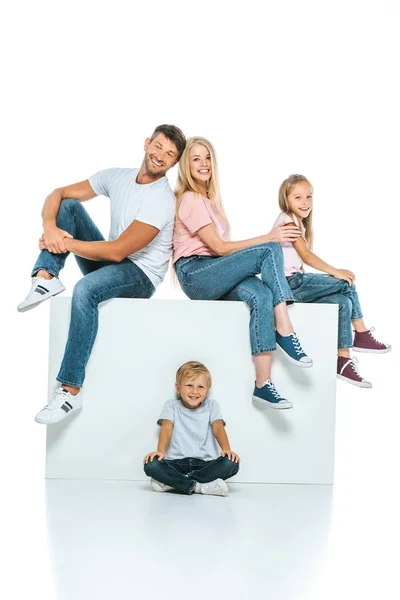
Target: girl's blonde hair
<point>186,183</point>
<point>191,369</point>
<point>306,223</point>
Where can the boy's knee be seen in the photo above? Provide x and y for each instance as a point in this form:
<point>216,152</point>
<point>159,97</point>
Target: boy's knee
<point>228,467</point>
<point>151,467</point>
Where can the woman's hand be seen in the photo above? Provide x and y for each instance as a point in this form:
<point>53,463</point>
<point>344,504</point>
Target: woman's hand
<point>152,455</point>
<point>344,274</point>
<point>231,455</point>
<point>53,240</point>
<point>283,233</point>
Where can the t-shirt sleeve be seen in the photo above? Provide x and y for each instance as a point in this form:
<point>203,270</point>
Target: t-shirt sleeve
<point>193,212</point>
<point>215,412</point>
<point>157,209</point>
<point>167,412</point>
<point>101,182</point>
<point>283,218</point>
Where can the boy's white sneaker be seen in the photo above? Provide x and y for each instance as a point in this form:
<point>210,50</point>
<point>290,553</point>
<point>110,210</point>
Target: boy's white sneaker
<point>60,407</point>
<point>41,290</point>
<point>160,487</point>
<point>217,487</point>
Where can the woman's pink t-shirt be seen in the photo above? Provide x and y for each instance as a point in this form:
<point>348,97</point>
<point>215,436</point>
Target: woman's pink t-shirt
<point>194,213</point>
<point>291,258</point>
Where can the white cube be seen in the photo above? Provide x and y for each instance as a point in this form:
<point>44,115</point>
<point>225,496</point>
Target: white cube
<point>131,373</point>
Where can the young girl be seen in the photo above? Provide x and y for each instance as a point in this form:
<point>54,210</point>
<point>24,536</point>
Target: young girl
<point>337,287</point>
<point>209,266</point>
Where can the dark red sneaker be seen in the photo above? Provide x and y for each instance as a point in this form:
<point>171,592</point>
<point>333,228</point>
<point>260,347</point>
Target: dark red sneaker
<point>365,342</point>
<point>347,371</point>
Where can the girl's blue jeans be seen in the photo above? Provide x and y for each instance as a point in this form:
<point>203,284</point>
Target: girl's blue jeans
<point>234,277</point>
<point>325,289</point>
<point>183,473</point>
<point>102,281</point>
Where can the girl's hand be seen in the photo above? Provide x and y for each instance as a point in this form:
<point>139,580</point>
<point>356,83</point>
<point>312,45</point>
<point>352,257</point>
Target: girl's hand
<point>151,455</point>
<point>231,455</point>
<point>344,274</point>
<point>284,232</point>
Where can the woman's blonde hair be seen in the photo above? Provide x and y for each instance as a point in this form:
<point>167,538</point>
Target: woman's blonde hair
<point>306,223</point>
<point>186,183</point>
<point>191,369</point>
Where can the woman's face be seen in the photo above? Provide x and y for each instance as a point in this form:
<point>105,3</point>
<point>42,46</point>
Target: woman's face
<point>300,199</point>
<point>200,164</point>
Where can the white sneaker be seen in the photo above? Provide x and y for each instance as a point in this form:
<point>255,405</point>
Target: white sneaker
<point>160,487</point>
<point>41,290</point>
<point>60,407</point>
<point>217,487</point>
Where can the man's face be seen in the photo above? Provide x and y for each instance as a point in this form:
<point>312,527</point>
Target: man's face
<point>161,155</point>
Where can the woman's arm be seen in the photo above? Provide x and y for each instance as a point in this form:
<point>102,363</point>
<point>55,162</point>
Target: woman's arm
<point>312,260</point>
<point>281,233</point>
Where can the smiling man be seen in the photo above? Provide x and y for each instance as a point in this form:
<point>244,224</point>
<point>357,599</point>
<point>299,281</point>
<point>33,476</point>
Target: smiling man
<point>129,265</point>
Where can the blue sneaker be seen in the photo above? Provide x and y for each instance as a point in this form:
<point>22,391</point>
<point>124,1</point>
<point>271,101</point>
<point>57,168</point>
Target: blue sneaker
<point>269,396</point>
<point>291,348</point>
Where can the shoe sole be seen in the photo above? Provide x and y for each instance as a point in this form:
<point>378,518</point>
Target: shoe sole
<point>302,365</point>
<point>366,350</point>
<point>224,487</point>
<point>156,488</point>
<point>364,384</point>
<point>60,420</point>
<point>35,304</point>
<point>276,405</point>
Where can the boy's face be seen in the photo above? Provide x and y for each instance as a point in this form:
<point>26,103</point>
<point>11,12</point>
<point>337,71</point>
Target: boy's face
<point>193,390</point>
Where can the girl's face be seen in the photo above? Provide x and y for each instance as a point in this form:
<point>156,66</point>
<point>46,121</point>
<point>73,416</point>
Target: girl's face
<point>300,199</point>
<point>200,164</point>
<point>193,390</point>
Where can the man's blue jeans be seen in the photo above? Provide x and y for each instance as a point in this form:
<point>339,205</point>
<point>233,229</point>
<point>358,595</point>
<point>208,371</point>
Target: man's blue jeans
<point>183,473</point>
<point>233,277</point>
<point>325,289</point>
<point>102,281</point>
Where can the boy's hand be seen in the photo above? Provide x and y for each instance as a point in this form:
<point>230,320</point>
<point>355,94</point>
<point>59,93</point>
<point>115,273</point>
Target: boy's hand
<point>151,455</point>
<point>231,455</point>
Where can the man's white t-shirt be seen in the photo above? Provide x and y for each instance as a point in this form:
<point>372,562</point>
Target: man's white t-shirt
<point>151,203</point>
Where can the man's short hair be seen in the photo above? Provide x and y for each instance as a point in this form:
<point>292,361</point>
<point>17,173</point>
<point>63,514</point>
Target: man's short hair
<point>172,133</point>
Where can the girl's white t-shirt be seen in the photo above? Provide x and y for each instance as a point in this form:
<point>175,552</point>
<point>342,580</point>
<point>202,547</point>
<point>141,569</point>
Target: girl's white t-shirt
<point>291,258</point>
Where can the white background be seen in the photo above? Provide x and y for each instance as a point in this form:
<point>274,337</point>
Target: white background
<point>278,87</point>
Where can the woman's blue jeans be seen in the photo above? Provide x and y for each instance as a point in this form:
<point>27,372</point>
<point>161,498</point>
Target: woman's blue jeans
<point>102,281</point>
<point>325,289</point>
<point>183,473</point>
<point>234,277</point>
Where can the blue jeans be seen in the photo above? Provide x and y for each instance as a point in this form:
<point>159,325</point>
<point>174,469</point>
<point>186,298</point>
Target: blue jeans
<point>183,473</point>
<point>325,289</point>
<point>102,281</point>
<point>233,277</point>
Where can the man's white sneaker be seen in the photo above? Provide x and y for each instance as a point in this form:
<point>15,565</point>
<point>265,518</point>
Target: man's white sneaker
<point>217,487</point>
<point>41,290</point>
<point>160,487</point>
<point>60,407</point>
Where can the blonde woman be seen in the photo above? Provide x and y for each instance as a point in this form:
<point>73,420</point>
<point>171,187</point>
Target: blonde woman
<point>336,287</point>
<point>210,266</point>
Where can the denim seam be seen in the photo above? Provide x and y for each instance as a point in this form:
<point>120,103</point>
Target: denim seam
<point>49,271</point>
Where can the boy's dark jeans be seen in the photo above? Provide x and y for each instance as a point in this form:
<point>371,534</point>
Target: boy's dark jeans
<point>183,473</point>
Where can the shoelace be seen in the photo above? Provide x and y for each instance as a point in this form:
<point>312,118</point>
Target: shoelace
<point>374,338</point>
<point>297,346</point>
<point>353,362</point>
<point>57,401</point>
<point>273,389</point>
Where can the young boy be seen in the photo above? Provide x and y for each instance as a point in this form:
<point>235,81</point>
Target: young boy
<point>187,457</point>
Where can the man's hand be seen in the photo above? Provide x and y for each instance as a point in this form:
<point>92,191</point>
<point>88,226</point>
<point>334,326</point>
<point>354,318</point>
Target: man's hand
<point>53,240</point>
<point>152,455</point>
<point>231,455</point>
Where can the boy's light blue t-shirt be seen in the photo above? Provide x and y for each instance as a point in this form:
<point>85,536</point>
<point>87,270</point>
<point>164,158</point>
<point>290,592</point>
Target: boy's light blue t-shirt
<point>192,435</point>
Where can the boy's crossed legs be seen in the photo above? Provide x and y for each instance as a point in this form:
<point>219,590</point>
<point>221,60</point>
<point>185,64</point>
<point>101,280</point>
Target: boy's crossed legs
<point>189,475</point>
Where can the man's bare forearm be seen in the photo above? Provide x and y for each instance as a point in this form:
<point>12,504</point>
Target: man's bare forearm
<point>95,250</point>
<point>50,208</point>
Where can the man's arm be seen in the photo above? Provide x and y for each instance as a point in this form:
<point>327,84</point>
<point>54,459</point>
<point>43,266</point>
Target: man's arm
<point>134,238</point>
<point>52,235</point>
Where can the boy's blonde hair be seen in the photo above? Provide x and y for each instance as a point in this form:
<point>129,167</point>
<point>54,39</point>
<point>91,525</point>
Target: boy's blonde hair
<point>305,224</point>
<point>191,369</point>
<point>186,183</point>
